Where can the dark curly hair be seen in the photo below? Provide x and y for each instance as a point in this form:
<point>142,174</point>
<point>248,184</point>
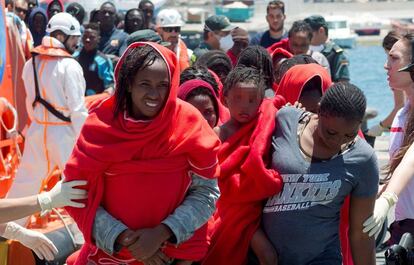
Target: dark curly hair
<point>242,74</point>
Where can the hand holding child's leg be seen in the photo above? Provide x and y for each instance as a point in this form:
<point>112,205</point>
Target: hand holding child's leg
<point>263,249</point>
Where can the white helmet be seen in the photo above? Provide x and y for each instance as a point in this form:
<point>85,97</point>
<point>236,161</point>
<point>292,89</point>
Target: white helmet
<point>64,22</point>
<point>169,18</point>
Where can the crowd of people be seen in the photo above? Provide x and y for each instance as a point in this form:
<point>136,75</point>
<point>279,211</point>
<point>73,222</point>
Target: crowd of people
<point>241,151</point>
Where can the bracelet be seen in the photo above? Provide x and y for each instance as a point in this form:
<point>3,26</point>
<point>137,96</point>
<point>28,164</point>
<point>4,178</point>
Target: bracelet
<point>384,127</point>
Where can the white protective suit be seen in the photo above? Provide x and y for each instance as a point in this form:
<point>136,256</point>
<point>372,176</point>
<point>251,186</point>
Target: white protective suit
<point>49,140</point>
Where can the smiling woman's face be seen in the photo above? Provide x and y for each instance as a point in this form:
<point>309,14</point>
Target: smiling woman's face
<point>149,90</point>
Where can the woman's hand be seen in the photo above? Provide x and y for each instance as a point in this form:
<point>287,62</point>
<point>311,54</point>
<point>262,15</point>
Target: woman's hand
<point>148,241</point>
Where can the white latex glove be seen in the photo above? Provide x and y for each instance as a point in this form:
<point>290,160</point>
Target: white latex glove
<point>376,130</point>
<point>373,224</point>
<point>39,243</point>
<point>62,195</point>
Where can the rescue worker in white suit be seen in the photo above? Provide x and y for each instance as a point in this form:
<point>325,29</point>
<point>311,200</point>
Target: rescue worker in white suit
<point>56,106</point>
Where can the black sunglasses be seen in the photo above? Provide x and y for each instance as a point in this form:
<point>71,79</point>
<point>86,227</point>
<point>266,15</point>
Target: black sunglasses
<point>171,29</point>
<point>20,10</point>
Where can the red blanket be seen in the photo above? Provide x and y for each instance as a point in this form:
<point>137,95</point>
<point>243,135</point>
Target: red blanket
<point>295,79</point>
<point>284,44</point>
<point>138,170</point>
<point>224,112</point>
<point>244,183</point>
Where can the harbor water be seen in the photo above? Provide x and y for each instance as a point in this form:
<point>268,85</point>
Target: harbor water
<point>368,73</point>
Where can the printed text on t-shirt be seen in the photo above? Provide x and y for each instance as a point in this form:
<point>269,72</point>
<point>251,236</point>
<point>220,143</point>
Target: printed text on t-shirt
<point>301,191</point>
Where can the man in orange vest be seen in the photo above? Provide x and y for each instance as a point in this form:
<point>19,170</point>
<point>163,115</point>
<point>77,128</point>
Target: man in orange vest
<point>169,23</point>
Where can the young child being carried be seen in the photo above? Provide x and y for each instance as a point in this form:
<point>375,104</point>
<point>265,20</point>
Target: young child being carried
<point>244,180</point>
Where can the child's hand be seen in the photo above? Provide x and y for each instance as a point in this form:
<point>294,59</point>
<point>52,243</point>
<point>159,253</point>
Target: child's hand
<point>149,241</point>
<point>158,259</point>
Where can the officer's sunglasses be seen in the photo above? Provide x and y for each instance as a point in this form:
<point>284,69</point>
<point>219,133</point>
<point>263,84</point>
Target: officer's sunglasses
<point>20,10</point>
<point>171,29</point>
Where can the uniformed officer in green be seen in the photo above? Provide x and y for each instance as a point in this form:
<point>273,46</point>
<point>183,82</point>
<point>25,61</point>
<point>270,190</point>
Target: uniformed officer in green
<point>216,36</point>
<point>336,55</point>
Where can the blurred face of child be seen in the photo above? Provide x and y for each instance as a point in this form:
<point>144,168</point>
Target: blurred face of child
<point>206,107</point>
<point>149,90</point>
<point>299,42</point>
<point>243,101</point>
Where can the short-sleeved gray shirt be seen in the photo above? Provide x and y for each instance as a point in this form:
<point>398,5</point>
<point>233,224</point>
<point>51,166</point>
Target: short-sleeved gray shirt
<point>302,220</point>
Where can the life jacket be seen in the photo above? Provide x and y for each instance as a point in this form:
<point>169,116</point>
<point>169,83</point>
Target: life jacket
<point>182,55</point>
<point>45,52</point>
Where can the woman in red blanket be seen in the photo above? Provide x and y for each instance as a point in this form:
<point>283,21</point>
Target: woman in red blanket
<point>244,180</point>
<point>138,150</point>
<point>306,83</point>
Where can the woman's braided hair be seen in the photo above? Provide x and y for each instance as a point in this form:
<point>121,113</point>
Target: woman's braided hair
<point>344,100</point>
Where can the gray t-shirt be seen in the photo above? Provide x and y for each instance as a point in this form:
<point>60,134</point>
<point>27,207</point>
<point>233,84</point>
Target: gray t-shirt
<point>302,220</point>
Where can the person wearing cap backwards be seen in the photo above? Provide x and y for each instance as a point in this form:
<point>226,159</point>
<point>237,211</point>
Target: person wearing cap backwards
<point>169,25</point>
<point>216,36</point>
<point>275,17</point>
<point>55,90</point>
<point>241,41</point>
<point>321,43</point>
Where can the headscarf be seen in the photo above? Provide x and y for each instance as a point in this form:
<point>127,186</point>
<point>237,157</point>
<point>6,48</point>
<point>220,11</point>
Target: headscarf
<point>187,87</point>
<point>295,79</point>
<point>224,112</point>
<point>62,7</point>
<point>279,53</point>
<point>141,163</point>
<point>37,37</point>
